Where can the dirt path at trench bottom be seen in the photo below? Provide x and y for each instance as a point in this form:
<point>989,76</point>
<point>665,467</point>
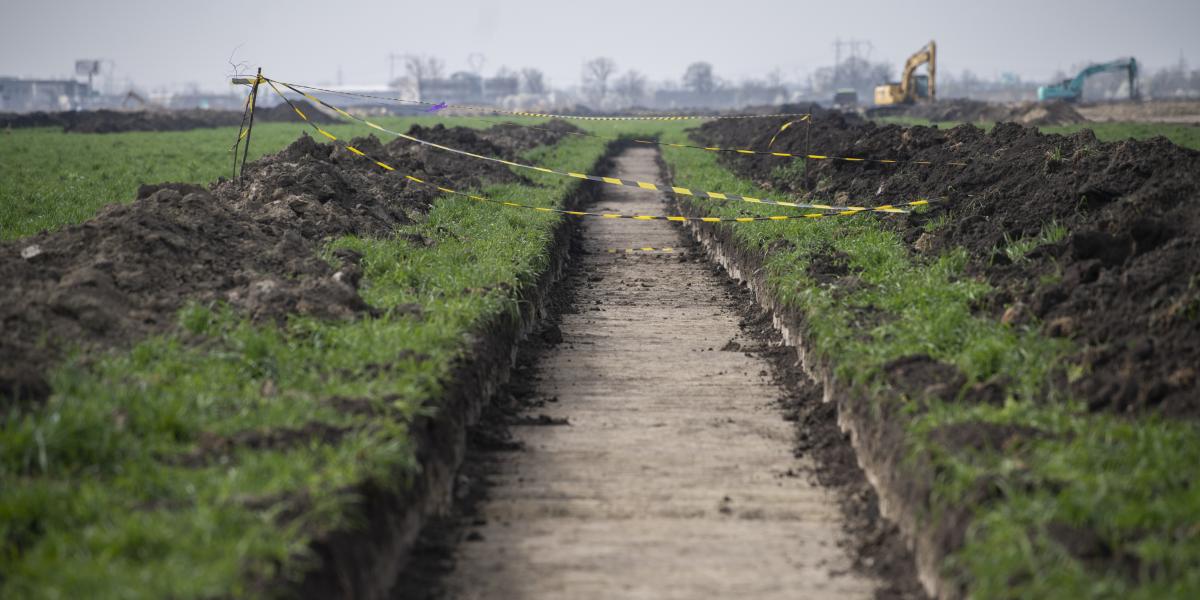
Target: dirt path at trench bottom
<point>656,462</point>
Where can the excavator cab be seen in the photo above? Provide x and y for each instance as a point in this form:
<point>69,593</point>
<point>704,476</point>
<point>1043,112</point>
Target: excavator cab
<point>921,87</point>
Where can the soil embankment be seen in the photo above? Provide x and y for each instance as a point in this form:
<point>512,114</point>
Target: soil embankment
<point>1121,282</point>
<point>117,121</point>
<point>653,458</point>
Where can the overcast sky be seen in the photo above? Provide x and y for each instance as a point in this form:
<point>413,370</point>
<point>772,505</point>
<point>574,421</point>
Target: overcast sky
<point>167,42</point>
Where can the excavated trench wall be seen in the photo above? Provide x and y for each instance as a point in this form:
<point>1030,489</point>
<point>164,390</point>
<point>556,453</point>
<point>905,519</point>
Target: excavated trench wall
<point>364,563</point>
<point>877,441</point>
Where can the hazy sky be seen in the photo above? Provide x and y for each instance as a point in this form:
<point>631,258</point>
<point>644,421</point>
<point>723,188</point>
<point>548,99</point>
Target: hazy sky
<point>167,42</point>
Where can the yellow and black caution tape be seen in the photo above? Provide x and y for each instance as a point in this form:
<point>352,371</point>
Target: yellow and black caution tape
<point>641,185</point>
<point>802,118</point>
<point>785,128</point>
<point>575,213</point>
<point>886,161</point>
<point>642,250</point>
<point>522,113</point>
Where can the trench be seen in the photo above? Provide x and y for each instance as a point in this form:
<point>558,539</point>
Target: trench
<point>657,462</point>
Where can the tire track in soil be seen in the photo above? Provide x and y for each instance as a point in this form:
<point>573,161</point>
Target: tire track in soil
<point>655,460</point>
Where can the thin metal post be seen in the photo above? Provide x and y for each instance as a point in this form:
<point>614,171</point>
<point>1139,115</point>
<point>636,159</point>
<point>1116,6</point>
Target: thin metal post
<point>237,144</point>
<point>250,126</point>
<point>808,145</point>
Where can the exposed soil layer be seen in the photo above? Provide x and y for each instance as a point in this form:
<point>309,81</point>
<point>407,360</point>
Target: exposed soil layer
<point>116,121</point>
<point>1123,283</point>
<point>254,245</point>
<point>547,503</point>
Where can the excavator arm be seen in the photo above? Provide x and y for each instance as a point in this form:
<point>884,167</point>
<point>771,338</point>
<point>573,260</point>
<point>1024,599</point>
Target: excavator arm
<point>924,56</point>
<point>1072,89</point>
<point>133,96</point>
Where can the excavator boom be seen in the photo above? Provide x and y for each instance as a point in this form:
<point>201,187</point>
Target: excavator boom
<point>1071,90</point>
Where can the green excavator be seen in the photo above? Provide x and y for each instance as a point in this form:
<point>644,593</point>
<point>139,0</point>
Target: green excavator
<point>1071,90</point>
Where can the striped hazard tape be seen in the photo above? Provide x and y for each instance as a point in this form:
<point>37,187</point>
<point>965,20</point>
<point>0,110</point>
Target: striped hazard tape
<point>885,161</point>
<point>644,250</point>
<point>641,185</point>
<point>442,106</point>
<point>674,218</point>
<point>785,128</point>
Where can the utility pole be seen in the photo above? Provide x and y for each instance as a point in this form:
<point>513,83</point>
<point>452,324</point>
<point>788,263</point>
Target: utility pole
<point>853,46</point>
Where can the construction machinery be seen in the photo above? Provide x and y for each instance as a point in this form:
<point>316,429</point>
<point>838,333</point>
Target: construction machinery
<point>1071,90</point>
<point>134,98</point>
<point>912,87</point>
<point>845,99</point>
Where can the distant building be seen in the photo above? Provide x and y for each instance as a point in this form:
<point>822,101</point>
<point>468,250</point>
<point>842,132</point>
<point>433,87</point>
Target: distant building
<point>496,89</point>
<point>469,88</point>
<point>203,101</point>
<point>725,98</point>
<point>459,88</point>
<point>27,95</point>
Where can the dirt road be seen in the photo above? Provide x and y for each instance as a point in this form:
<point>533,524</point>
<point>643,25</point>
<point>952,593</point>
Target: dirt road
<point>662,467</point>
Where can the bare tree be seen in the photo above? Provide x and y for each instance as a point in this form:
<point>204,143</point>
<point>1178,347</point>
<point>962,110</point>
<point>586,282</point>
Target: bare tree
<point>424,67</point>
<point>1174,81</point>
<point>534,81</point>
<point>595,77</point>
<point>631,87</point>
<point>699,78</point>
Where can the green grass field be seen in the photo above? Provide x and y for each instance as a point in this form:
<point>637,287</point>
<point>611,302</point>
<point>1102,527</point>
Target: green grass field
<point>97,499</point>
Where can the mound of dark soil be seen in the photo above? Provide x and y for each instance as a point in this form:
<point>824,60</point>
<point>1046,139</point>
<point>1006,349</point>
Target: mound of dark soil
<point>957,109</point>
<point>33,119</point>
<point>116,121</point>
<point>1124,282</point>
<point>125,273</point>
<point>284,113</point>
<point>515,139</point>
<point>463,172</point>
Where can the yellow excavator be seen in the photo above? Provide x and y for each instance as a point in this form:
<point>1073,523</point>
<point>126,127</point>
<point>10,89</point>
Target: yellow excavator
<point>135,99</point>
<point>912,87</point>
